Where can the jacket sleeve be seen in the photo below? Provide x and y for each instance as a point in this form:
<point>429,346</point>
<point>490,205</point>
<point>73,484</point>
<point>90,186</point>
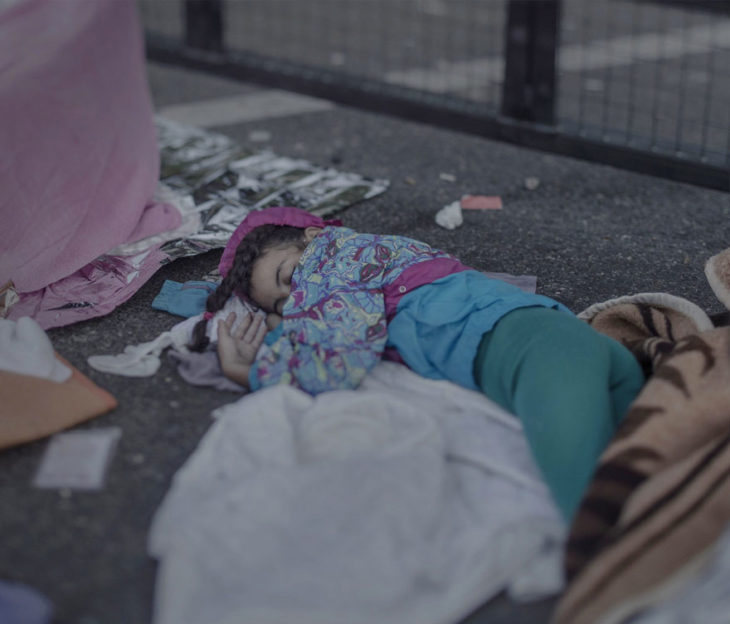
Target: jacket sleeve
<point>330,346</point>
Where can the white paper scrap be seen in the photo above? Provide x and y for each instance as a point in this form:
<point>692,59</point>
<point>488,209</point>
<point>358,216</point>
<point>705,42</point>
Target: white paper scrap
<point>77,459</point>
<point>450,216</point>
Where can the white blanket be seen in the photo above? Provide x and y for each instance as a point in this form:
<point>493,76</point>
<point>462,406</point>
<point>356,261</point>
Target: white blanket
<point>406,501</point>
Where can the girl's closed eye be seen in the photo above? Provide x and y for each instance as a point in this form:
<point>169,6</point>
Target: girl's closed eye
<point>271,276</point>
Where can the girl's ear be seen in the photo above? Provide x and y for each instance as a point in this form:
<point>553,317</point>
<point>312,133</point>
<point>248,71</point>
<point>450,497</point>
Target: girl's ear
<point>311,232</point>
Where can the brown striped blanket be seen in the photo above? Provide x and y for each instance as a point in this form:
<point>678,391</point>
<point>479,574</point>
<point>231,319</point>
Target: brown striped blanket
<point>660,497</point>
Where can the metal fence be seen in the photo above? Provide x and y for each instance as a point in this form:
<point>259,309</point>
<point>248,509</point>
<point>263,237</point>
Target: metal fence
<point>637,84</point>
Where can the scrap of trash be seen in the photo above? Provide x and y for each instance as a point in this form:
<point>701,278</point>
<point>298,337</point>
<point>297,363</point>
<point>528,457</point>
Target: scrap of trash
<point>78,459</point>
<point>451,217</point>
<point>481,202</point>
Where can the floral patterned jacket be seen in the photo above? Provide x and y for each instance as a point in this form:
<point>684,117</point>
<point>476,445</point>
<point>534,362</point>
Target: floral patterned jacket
<point>343,293</point>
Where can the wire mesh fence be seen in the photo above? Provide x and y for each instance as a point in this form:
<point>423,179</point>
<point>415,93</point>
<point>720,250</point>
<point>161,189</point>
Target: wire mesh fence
<point>427,46</point>
<point>610,78</point>
<point>648,76</point>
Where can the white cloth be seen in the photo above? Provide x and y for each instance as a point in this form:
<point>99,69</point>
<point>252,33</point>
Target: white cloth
<point>143,360</point>
<point>26,349</point>
<point>407,501</point>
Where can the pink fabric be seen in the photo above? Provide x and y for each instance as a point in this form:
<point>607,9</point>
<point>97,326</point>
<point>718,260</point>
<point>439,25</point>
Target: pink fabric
<point>431,270</point>
<point>276,215</point>
<point>418,275</point>
<point>79,153</point>
<point>95,290</point>
<point>155,219</point>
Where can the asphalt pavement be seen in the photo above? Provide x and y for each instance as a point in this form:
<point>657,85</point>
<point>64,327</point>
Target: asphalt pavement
<point>588,232</point>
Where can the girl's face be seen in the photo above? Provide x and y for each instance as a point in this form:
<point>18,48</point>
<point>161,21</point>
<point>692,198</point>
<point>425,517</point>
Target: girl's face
<point>271,277</point>
<point>270,283</point>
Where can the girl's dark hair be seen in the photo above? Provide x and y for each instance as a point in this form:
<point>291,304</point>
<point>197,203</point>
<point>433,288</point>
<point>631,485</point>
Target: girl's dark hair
<point>238,279</point>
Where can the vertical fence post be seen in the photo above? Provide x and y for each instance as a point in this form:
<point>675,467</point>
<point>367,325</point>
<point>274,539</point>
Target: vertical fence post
<point>528,89</point>
<point>204,24</point>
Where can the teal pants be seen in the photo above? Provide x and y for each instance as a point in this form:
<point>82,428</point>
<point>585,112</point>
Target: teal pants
<point>568,384</point>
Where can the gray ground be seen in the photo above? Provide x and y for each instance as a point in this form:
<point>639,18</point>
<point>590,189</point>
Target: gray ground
<point>588,232</point>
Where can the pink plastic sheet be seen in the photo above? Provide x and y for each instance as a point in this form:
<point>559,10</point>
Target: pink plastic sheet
<point>79,159</point>
<point>95,290</point>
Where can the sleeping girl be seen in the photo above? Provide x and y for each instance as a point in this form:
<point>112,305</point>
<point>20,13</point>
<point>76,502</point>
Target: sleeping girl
<point>337,301</point>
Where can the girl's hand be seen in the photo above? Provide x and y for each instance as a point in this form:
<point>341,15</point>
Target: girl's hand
<point>237,350</point>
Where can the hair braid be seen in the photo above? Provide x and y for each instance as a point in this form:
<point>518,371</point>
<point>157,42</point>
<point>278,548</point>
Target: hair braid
<point>238,279</point>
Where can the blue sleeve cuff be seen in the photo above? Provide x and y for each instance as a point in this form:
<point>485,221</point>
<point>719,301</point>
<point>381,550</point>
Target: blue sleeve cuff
<point>274,335</point>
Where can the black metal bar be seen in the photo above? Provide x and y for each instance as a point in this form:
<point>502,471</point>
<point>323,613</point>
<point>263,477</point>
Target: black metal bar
<point>204,24</point>
<point>528,91</point>
<point>407,103</point>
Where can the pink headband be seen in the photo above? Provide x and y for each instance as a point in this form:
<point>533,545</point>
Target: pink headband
<point>276,215</point>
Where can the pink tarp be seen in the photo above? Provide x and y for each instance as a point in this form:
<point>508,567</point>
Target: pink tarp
<point>79,160</point>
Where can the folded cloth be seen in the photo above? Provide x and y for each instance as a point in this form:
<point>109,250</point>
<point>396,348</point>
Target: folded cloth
<point>32,407</point>
<point>183,299</point>
<point>407,501</point>
<point>80,156</point>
